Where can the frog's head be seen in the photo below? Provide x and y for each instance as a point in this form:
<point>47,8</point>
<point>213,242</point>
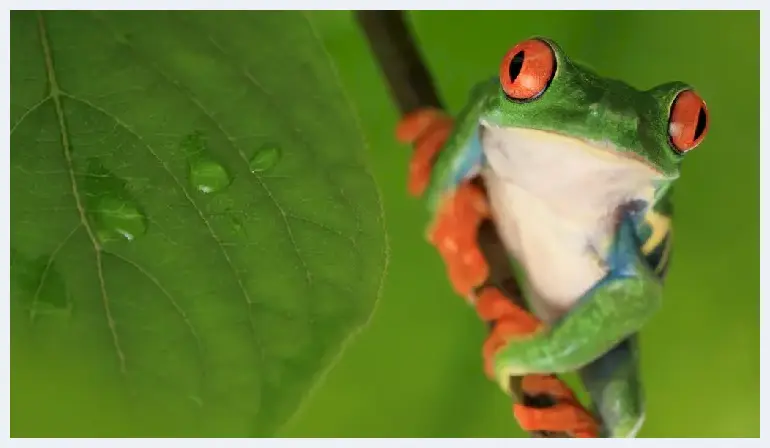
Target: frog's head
<point>558,112</point>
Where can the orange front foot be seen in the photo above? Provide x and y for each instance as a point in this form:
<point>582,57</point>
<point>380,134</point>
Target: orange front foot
<point>567,415</point>
<point>508,321</point>
<point>428,130</point>
<point>455,233</point>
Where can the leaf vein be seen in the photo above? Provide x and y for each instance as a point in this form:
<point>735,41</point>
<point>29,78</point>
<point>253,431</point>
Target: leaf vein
<point>26,113</point>
<point>174,304</point>
<point>56,93</point>
<point>247,74</point>
<point>188,198</point>
<point>47,268</point>
<point>230,139</point>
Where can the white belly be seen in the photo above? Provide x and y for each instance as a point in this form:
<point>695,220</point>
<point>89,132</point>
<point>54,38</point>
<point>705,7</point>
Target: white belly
<point>553,202</point>
<point>559,264</point>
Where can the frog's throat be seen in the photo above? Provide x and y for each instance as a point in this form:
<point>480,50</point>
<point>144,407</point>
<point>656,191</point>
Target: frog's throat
<point>568,170</point>
<point>600,149</point>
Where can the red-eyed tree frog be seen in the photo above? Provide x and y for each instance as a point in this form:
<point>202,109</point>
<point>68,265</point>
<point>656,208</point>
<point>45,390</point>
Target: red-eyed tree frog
<point>577,172</point>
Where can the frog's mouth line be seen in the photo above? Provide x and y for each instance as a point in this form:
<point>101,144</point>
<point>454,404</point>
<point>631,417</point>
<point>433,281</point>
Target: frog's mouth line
<point>600,149</point>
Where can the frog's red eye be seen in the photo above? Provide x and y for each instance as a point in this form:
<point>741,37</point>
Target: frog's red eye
<point>527,70</point>
<point>689,121</point>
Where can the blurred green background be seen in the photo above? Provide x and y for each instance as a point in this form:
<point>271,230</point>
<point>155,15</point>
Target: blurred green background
<point>416,370</point>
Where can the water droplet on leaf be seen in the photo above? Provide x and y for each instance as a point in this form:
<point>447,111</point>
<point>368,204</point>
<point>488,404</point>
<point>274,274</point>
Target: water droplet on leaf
<point>207,175</point>
<point>116,215</point>
<point>265,158</point>
<point>119,218</point>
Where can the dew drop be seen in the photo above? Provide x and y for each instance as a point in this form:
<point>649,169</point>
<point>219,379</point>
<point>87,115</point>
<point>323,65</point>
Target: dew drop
<point>265,158</point>
<point>119,219</point>
<point>207,175</point>
<point>114,212</point>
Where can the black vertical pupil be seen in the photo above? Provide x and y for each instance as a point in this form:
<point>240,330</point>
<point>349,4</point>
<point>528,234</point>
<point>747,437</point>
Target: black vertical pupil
<point>701,126</point>
<point>516,64</point>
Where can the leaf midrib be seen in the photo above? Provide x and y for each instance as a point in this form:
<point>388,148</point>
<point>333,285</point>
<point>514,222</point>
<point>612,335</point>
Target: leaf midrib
<point>55,94</point>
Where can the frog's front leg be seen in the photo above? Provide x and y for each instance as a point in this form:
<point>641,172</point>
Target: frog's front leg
<point>460,205</point>
<point>428,129</point>
<point>615,388</point>
<point>613,310</point>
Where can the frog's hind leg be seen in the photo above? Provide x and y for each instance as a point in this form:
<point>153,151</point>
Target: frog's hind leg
<point>454,233</point>
<point>615,388</point>
<point>548,405</point>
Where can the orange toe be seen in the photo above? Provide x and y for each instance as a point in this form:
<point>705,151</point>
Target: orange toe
<point>503,330</point>
<point>547,384</point>
<point>426,148</point>
<point>460,215</point>
<point>455,233</point>
<point>562,417</point>
<point>508,321</point>
<point>472,201</point>
<point>414,124</point>
<point>488,350</point>
<point>492,305</point>
<point>465,278</point>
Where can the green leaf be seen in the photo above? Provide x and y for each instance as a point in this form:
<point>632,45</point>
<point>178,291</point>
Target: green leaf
<point>195,232</point>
